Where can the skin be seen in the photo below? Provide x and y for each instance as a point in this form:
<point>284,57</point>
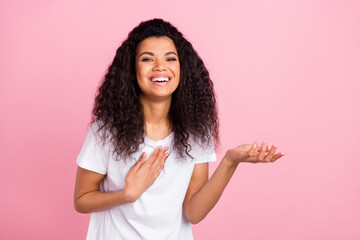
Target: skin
<point>157,55</point>
<point>203,193</point>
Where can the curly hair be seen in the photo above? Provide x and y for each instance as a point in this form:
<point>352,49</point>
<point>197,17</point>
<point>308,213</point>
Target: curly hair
<point>118,110</point>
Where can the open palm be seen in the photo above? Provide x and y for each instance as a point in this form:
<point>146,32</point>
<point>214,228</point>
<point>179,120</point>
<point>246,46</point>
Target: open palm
<point>253,153</point>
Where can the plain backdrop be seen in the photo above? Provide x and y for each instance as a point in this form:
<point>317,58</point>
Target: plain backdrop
<point>284,71</point>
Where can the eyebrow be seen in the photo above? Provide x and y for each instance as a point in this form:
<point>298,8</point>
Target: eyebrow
<point>152,54</point>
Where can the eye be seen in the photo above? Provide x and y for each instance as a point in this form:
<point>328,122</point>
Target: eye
<point>146,60</point>
<point>171,59</point>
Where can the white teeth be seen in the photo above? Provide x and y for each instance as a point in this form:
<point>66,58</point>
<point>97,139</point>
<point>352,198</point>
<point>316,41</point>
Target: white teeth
<point>161,79</point>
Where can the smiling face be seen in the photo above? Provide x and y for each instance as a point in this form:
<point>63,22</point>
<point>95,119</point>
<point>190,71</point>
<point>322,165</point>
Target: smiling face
<point>157,68</point>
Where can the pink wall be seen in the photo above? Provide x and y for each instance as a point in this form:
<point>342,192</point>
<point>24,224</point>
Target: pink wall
<point>285,71</point>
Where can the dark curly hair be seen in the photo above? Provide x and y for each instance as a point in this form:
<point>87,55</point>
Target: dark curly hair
<point>118,110</point>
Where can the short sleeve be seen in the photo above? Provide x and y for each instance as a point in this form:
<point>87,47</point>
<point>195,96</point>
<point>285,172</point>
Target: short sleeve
<point>203,154</point>
<point>93,155</point>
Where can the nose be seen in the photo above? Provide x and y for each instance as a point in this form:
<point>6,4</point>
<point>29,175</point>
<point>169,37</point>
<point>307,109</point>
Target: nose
<point>159,65</point>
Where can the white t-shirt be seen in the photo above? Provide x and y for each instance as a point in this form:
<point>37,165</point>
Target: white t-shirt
<point>158,213</point>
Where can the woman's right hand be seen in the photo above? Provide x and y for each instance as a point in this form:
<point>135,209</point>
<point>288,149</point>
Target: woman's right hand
<point>144,173</point>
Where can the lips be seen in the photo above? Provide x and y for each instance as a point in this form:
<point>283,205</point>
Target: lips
<point>161,84</point>
<point>160,79</point>
<point>160,76</point>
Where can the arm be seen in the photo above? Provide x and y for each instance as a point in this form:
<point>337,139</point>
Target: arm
<point>203,194</point>
<point>88,198</point>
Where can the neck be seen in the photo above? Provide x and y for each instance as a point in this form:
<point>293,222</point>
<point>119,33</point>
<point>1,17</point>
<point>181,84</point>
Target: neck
<point>156,113</point>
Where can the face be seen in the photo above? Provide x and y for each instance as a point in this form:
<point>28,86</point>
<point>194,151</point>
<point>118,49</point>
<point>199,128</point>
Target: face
<point>157,68</point>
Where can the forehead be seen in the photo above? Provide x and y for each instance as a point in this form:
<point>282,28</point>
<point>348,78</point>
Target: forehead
<point>156,44</point>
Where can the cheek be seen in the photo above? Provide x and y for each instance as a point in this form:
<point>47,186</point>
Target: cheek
<point>141,69</point>
<point>176,70</point>
<point>141,76</point>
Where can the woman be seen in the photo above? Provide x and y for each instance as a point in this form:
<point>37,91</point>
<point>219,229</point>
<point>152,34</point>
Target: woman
<point>143,168</point>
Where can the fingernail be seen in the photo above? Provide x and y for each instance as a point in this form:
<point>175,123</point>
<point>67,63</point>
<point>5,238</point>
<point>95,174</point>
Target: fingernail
<point>166,148</point>
<point>275,146</point>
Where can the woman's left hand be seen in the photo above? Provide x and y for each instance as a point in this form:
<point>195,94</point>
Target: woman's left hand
<point>253,153</point>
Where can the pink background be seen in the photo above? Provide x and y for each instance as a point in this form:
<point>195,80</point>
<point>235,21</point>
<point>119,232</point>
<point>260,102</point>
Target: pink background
<point>285,71</point>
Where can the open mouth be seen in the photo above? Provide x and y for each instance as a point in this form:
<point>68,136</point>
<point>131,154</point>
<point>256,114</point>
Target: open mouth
<point>160,81</point>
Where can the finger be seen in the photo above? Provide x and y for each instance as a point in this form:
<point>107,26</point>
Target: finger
<point>259,148</point>
<point>253,149</point>
<point>263,151</point>
<point>141,160</point>
<point>271,153</point>
<point>266,150</point>
<point>164,156</point>
<point>154,155</point>
<point>159,162</point>
<point>277,156</point>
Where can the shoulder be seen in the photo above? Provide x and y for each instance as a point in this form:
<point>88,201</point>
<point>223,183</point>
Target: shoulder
<point>202,149</point>
<point>98,138</point>
<point>95,126</point>
<point>99,131</point>
<point>205,143</point>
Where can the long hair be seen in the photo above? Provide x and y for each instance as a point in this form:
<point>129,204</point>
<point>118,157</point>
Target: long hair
<point>118,110</point>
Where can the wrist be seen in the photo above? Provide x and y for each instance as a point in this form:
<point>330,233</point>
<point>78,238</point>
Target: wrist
<point>230,163</point>
<point>129,196</point>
